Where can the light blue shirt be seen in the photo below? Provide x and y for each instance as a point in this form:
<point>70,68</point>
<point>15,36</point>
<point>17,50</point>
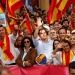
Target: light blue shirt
<point>45,48</point>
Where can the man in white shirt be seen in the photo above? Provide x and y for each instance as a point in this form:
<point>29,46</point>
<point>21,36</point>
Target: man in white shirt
<point>7,50</point>
<point>43,44</point>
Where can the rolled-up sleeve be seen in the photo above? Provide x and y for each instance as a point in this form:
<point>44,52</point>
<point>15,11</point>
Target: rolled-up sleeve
<point>35,41</point>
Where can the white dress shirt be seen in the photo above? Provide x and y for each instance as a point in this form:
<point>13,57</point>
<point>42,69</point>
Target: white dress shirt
<point>45,48</point>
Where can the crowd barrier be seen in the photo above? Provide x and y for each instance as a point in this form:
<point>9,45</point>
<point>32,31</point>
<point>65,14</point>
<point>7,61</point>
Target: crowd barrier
<point>39,70</point>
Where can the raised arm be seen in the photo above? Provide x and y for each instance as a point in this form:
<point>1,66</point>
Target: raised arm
<point>15,30</point>
<point>36,32</point>
<point>39,23</point>
<point>59,46</point>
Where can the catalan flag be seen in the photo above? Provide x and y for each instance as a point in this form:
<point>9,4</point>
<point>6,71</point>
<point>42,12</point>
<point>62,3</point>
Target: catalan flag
<point>13,5</point>
<point>57,9</point>
<point>1,9</point>
<point>10,25</point>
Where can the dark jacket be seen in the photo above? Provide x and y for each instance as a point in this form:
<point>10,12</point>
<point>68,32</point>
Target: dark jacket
<point>31,55</point>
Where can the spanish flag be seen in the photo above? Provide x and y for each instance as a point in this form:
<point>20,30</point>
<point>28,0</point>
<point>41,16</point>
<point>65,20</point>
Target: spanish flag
<point>57,9</point>
<point>26,24</point>
<point>66,59</point>
<point>5,45</point>
<point>1,9</point>
<point>13,5</point>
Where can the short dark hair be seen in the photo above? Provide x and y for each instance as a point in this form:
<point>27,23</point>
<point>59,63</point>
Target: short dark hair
<point>19,36</point>
<point>67,41</point>
<point>61,29</point>
<point>55,21</point>
<point>65,20</point>
<point>42,29</point>
<point>1,25</point>
<point>72,65</point>
<point>73,33</point>
<point>33,17</point>
<point>54,42</point>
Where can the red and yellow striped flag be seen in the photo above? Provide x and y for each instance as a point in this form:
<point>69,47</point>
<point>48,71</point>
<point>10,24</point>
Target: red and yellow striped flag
<point>1,9</point>
<point>67,59</point>
<point>13,5</point>
<point>26,24</point>
<point>7,55</point>
<point>10,26</point>
<point>57,9</point>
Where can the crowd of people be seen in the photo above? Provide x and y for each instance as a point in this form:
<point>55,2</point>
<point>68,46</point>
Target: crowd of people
<point>55,41</point>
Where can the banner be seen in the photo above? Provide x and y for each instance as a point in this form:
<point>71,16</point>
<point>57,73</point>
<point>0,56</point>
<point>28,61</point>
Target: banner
<point>39,70</point>
<point>3,19</point>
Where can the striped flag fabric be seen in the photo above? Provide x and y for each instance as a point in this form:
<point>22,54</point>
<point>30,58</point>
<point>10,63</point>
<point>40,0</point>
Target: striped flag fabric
<point>13,5</point>
<point>57,9</point>
<point>28,23</point>
<point>1,9</point>
<point>10,26</point>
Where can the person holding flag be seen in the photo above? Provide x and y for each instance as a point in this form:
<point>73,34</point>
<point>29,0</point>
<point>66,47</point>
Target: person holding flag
<point>7,51</point>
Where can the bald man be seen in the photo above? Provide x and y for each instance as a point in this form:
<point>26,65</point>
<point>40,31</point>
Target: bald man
<point>4,71</point>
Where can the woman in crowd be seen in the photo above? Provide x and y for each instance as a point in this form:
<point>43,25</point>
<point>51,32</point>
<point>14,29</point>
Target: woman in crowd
<point>72,40</point>
<point>55,43</point>
<point>65,56</point>
<point>28,53</point>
